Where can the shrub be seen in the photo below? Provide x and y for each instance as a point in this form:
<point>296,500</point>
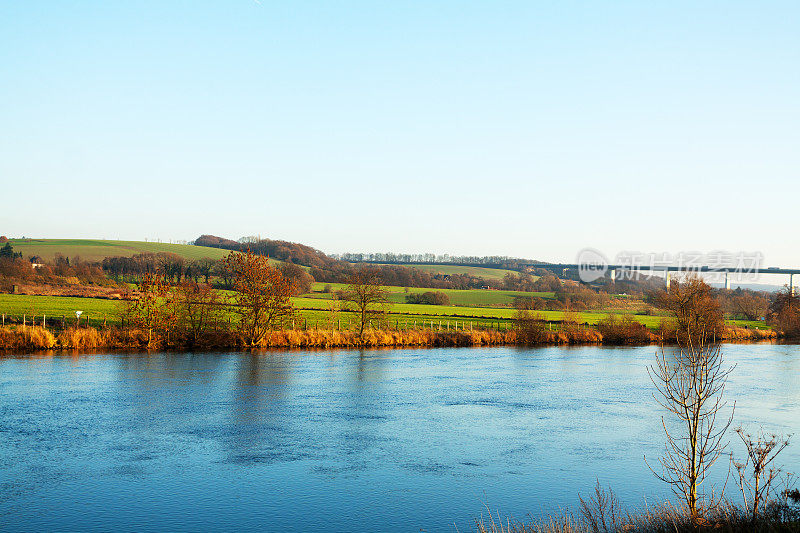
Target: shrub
<point>531,329</point>
<point>624,329</point>
<point>429,298</point>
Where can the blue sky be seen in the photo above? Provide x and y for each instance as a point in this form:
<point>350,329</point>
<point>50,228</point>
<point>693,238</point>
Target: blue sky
<point>530,129</point>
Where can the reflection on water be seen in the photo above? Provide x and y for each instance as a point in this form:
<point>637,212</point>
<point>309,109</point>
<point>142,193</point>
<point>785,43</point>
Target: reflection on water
<point>385,440</point>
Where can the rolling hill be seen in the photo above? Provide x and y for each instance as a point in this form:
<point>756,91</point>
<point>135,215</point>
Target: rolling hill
<point>480,272</point>
<point>97,250</point>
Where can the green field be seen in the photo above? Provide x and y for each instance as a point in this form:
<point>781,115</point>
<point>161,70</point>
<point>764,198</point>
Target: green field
<point>469,298</point>
<point>97,250</point>
<point>313,312</point>
<point>56,306</point>
<point>481,272</point>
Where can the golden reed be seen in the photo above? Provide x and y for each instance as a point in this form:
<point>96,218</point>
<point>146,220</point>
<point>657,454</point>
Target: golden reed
<point>33,338</point>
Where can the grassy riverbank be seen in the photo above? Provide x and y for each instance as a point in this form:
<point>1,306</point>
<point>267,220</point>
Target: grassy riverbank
<point>31,338</point>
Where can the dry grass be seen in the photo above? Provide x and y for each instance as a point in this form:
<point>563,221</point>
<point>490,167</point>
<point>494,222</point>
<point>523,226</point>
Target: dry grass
<point>82,339</point>
<point>601,512</point>
<point>26,338</point>
<point>666,332</point>
<point>324,338</point>
<point>664,518</point>
<point>733,333</point>
<point>37,338</point>
<point>533,330</point>
<point>528,332</point>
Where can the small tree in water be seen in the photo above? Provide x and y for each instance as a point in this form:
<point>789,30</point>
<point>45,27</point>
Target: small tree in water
<point>690,381</point>
<point>757,474</point>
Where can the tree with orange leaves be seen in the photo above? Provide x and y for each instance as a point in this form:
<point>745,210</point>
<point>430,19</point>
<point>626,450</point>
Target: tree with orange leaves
<point>262,298</point>
<point>149,309</point>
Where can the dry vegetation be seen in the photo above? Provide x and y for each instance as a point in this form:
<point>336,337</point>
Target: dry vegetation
<point>690,385</point>
<point>664,518</point>
<point>33,338</point>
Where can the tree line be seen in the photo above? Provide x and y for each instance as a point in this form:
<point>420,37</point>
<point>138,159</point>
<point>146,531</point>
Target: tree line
<point>327,269</point>
<point>260,301</point>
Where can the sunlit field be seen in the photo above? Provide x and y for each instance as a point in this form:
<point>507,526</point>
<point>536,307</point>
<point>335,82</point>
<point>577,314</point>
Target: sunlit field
<point>97,250</point>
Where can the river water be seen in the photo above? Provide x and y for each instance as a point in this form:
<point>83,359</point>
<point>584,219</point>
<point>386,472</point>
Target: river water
<point>344,440</point>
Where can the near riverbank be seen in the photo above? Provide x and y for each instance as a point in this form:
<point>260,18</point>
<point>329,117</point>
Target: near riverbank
<point>32,338</point>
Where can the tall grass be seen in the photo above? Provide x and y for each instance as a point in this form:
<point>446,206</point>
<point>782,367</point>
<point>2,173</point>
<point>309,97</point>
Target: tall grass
<point>26,338</point>
<point>81,339</point>
<point>37,338</point>
<point>601,517</point>
<point>530,331</point>
<point>325,338</point>
<point>733,333</point>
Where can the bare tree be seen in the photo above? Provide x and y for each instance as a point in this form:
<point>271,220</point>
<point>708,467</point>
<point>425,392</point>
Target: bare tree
<point>222,269</point>
<point>171,265</point>
<point>196,308</point>
<point>365,292</point>
<point>749,305</point>
<point>784,313</point>
<point>756,475</point>
<point>602,512</point>
<point>690,383</point>
<point>205,267</point>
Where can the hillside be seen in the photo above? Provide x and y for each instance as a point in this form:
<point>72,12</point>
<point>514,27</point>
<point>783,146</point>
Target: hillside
<point>479,272</point>
<point>97,250</point>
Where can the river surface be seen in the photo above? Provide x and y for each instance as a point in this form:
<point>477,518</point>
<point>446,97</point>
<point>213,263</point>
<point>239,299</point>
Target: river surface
<point>344,440</point>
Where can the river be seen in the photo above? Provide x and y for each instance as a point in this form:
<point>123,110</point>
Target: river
<point>345,440</point>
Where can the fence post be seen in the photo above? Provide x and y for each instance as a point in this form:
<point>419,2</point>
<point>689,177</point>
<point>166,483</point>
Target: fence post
<point>23,320</point>
<point>44,321</point>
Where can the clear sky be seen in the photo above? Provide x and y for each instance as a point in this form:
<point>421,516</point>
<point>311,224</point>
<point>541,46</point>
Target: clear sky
<point>526,128</point>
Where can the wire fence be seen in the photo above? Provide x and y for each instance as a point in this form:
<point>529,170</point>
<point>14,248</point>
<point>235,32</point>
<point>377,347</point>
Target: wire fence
<point>101,321</point>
